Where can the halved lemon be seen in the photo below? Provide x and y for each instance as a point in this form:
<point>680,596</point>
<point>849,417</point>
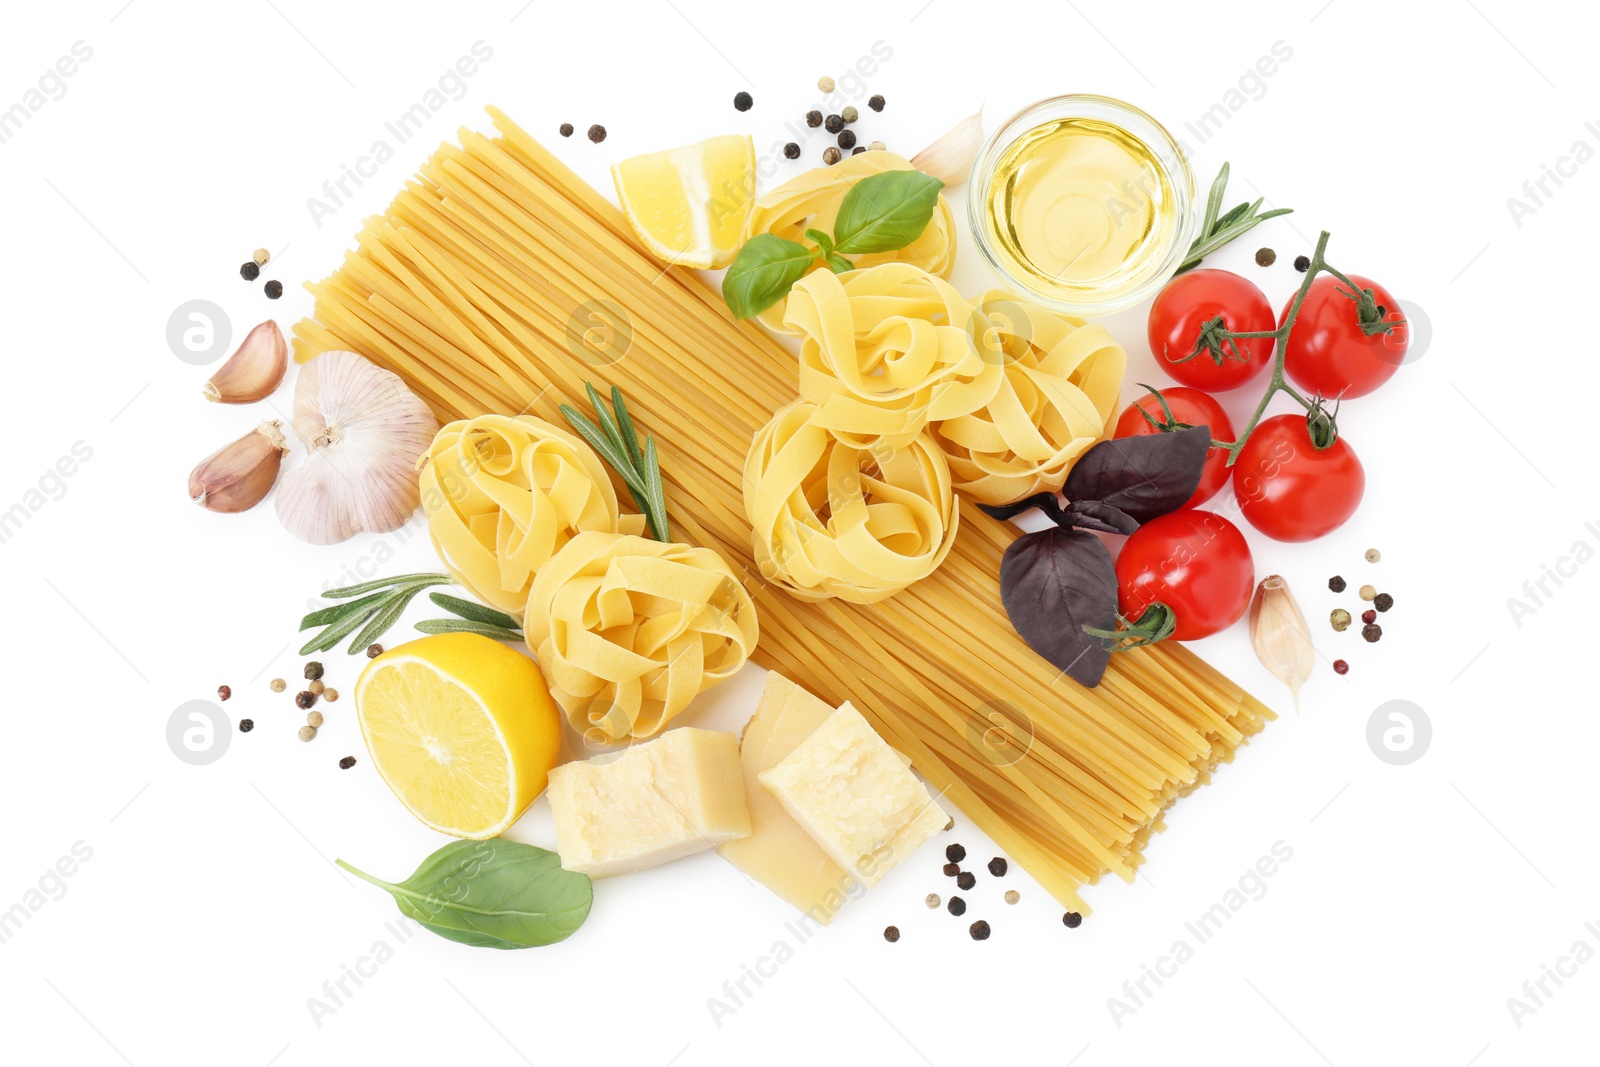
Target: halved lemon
<point>462,729</point>
<point>689,205</point>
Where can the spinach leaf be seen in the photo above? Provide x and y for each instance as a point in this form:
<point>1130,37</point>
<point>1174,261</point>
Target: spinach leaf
<point>763,272</point>
<point>492,894</point>
<point>885,211</point>
<point>1054,583</point>
<point>1142,476</point>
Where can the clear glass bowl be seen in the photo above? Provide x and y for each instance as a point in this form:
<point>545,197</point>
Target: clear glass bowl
<point>1153,268</point>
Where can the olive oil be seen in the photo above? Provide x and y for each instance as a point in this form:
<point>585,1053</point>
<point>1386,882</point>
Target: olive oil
<point>1081,210</point>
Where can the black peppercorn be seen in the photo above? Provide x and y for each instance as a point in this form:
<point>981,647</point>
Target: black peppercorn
<point>597,133</point>
<point>566,129</point>
<point>1383,601</point>
<point>1371,632</point>
<point>742,101</point>
<point>952,869</point>
<point>1336,583</point>
<point>273,289</point>
<point>857,150</point>
<point>249,270</point>
<point>246,725</point>
<point>891,934</point>
<point>346,763</point>
<point>813,119</point>
<point>304,699</point>
<point>875,102</point>
<point>979,930</point>
<point>1072,920</point>
<point>997,867</point>
<point>955,853</point>
<point>1302,263</point>
<point>833,123</point>
<point>847,138</point>
<point>966,880</point>
<point>224,692</point>
<point>791,151</point>
<point>957,906</point>
<point>313,671</point>
<point>374,651</point>
<point>1265,257</point>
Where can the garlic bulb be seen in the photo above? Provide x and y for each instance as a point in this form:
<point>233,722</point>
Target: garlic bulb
<point>950,157</point>
<point>363,430</point>
<point>237,476</point>
<point>254,371</point>
<point>1279,633</point>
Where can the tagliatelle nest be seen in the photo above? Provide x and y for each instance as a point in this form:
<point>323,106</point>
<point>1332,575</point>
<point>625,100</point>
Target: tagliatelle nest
<point>1062,382</point>
<point>503,494</point>
<point>811,201</point>
<point>832,520</point>
<point>628,630</point>
<point>886,350</point>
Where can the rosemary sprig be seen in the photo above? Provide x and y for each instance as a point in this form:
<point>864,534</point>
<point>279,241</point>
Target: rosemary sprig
<point>1218,229</point>
<point>617,442</point>
<point>376,606</point>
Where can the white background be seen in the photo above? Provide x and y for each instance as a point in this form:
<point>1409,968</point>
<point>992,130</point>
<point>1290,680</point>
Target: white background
<point>1418,898</point>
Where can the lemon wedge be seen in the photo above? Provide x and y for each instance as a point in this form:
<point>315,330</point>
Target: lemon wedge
<point>462,729</point>
<point>689,205</point>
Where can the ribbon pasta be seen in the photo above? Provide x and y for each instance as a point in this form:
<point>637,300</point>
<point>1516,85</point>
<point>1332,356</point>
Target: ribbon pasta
<point>1063,379</point>
<point>503,494</point>
<point>628,630</point>
<point>811,201</point>
<point>886,350</point>
<point>832,520</point>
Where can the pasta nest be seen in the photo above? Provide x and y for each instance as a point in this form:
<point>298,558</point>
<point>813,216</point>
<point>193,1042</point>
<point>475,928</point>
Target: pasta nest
<point>503,494</point>
<point>629,630</point>
<point>886,350</point>
<point>811,201</point>
<point>1062,383</point>
<point>834,520</point>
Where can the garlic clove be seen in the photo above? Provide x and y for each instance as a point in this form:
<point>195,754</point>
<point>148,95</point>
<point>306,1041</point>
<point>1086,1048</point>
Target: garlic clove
<point>950,157</point>
<point>237,476</point>
<point>364,432</point>
<point>254,371</point>
<point>1279,633</point>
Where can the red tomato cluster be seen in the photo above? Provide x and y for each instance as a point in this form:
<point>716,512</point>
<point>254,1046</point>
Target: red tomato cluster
<point>1291,481</point>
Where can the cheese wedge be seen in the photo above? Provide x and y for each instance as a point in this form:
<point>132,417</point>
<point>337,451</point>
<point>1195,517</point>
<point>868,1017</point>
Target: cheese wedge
<point>854,796</point>
<point>676,795</point>
<point>779,853</point>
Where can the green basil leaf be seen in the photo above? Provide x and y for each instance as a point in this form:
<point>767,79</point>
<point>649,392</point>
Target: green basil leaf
<point>492,894</point>
<point>824,242</point>
<point>885,211</point>
<point>838,264</point>
<point>763,272</point>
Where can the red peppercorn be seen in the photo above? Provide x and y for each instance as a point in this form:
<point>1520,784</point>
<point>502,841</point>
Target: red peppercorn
<point>1369,616</point>
<point>1341,667</point>
<point>224,692</point>
<point>951,870</point>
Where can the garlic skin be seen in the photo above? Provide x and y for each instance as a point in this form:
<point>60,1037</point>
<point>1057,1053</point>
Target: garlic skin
<point>950,157</point>
<point>254,371</point>
<point>1280,636</point>
<point>238,476</point>
<point>364,431</point>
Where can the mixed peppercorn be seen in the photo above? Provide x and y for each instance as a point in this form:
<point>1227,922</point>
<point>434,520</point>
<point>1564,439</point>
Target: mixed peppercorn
<point>1340,619</point>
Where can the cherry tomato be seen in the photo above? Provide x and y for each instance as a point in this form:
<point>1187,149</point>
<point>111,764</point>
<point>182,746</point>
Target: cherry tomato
<point>1185,306</point>
<point>1328,354</point>
<point>1291,490</point>
<point>1189,407</point>
<point>1196,562</point>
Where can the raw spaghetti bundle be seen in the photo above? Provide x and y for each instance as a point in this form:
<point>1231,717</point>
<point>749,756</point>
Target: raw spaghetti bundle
<point>466,286</point>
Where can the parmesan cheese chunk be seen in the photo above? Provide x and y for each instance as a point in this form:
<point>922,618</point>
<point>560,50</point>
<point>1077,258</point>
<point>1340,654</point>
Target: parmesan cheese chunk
<point>855,797</point>
<point>676,795</point>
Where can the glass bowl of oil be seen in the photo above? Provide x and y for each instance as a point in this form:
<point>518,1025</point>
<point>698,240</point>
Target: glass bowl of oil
<point>1083,203</point>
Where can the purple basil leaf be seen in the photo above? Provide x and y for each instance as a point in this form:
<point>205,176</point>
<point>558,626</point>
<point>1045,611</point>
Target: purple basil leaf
<point>1142,476</point>
<point>1054,583</point>
<point>1098,515</point>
